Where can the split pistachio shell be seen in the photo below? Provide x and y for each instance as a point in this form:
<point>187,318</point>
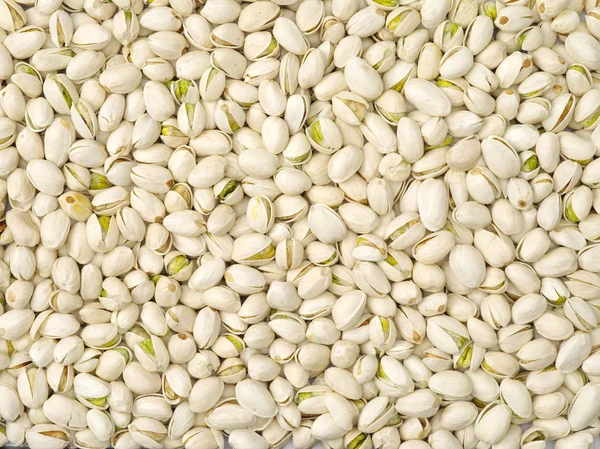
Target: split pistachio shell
<point>493,422</point>
<point>580,417</point>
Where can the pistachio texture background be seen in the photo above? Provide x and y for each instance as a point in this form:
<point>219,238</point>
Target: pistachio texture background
<point>266,224</point>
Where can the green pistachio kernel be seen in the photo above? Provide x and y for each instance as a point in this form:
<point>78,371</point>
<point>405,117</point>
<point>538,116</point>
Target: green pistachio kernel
<point>486,366</point>
<point>444,83</point>
<point>181,88</point>
<point>330,260</point>
<point>559,301</point>
<point>357,441</point>
<point>578,68</point>
<point>534,436</point>
<point>450,30</point>
<point>98,402</point>
<point>171,131</point>
<point>304,396</point>
<point>381,373</point>
<point>231,370</point>
<point>124,353</point>
<point>395,420</point>
<point>336,280</point>
<point>316,132</point>
<point>400,84</point>
<point>104,223</point>
<point>530,164</point>
<point>570,214</point>
<point>403,229</point>
<point>385,326</point>
<point>446,142</point>
<point>270,48</point>
<point>235,342</point>
<point>387,3</point>
<point>535,93</point>
<point>25,68</point>
<point>177,264</point>
<point>84,112</point>
<point>112,342</point>
<point>140,331</point>
<point>591,119</point>
<point>490,10</point>
<point>378,64</point>
<point>211,75</point>
<point>395,22</point>
<point>190,110</point>
<point>267,253</point>
<point>458,339</point>
<point>357,108</point>
<point>233,124</point>
<point>391,260</point>
<point>66,95</point>
<point>228,189</point>
<point>147,346</point>
<point>184,192</point>
<point>393,117</point>
<point>299,159</point>
<point>98,182</point>
<point>466,356</point>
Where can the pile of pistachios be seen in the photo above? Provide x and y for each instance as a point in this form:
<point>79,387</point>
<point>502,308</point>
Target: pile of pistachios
<point>346,224</point>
